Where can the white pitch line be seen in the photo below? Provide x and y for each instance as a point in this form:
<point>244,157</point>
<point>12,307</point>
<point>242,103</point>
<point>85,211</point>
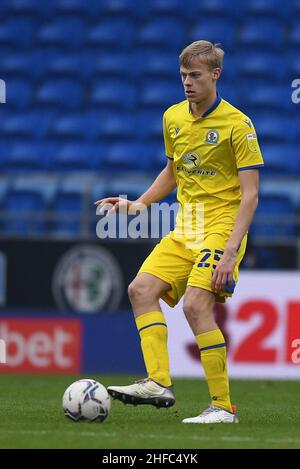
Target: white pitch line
<point>160,436</point>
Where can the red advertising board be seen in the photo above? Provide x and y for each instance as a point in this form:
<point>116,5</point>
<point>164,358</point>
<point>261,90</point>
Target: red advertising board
<point>41,345</point>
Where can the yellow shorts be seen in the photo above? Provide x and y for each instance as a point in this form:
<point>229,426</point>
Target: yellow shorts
<point>180,266</point>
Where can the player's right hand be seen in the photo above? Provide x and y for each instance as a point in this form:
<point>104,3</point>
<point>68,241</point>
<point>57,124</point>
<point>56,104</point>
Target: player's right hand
<point>119,204</point>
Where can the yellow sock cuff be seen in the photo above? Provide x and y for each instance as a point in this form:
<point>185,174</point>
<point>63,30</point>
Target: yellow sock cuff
<point>210,340</point>
<point>153,318</point>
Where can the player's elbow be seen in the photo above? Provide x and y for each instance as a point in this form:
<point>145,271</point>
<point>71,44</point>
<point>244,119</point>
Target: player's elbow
<point>251,197</point>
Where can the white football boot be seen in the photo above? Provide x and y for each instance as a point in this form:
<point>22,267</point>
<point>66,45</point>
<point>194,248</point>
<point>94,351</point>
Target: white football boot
<point>144,391</point>
<point>215,414</point>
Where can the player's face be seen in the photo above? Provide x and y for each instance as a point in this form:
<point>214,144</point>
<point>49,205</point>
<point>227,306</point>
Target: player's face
<point>198,80</point>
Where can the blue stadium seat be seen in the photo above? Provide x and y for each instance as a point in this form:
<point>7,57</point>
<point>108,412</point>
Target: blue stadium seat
<point>165,33</point>
<point>229,93</point>
<point>77,156</point>
<point>161,93</point>
<point>66,94</point>
<point>296,6</point>
<point>216,8</point>
<point>266,96</point>
<point>263,65</point>
<point>158,63</point>
<point>218,31</point>
<point>24,213</point>
<point>33,124</point>
<point>281,159</point>
<point>40,60</point>
<point>28,7</point>
<point>4,185</point>
<point>99,190</point>
<point>274,128</point>
<point>269,8</point>
<point>274,217</point>
<point>63,32</point>
<point>72,65</point>
<point>231,67</point>
<point>19,93</point>
<point>126,156</point>
<point>158,158</point>
<point>68,209</point>
<point>27,155</point>
<point>77,7</point>
<point>117,125</point>
<point>150,126</point>
<point>168,7</point>
<point>4,150</point>
<point>42,183</point>
<point>296,120</point>
<point>16,32</point>
<point>130,186</point>
<point>77,126</point>
<point>292,65</point>
<point>262,32</point>
<point>266,258</point>
<point>16,64</point>
<point>117,93</point>
<point>125,8</point>
<point>294,34</point>
<point>114,63</point>
<point>16,126</point>
<point>112,33</point>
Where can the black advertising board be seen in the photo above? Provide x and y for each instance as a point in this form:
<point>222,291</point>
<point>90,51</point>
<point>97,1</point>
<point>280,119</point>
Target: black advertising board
<point>80,276</point>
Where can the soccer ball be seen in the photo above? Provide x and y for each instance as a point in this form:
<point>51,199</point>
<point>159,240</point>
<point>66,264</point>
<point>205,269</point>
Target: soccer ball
<point>86,400</point>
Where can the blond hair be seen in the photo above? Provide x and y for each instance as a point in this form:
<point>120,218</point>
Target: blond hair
<point>208,53</point>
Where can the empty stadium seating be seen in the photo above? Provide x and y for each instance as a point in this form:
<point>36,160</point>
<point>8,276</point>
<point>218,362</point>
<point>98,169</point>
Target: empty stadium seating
<point>274,217</point>
<point>88,81</point>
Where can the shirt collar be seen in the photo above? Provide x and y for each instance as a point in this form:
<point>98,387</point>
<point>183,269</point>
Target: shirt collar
<point>212,107</point>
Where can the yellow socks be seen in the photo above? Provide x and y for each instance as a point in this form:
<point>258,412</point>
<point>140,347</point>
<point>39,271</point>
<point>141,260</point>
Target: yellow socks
<point>213,356</point>
<point>153,331</point>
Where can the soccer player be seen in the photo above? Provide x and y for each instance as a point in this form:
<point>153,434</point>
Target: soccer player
<point>213,159</point>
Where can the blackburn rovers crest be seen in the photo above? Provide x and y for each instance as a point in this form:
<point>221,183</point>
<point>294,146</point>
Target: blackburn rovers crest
<point>212,137</point>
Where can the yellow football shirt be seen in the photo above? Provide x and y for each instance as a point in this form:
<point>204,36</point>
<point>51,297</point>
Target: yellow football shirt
<point>208,152</point>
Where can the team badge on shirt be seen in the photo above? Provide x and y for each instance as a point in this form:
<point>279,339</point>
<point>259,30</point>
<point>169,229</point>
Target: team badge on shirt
<point>252,142</point>
<point>212,137</point>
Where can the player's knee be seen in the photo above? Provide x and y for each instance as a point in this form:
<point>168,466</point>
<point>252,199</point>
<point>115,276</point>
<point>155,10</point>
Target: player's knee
<point>195,308</point>
<point>138,290</point>
<point>190,309</point>
<point>132,291</point>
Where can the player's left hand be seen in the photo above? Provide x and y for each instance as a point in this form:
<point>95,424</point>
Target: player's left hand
<point>224,271</point>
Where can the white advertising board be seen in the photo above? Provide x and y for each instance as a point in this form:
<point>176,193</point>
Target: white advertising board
<point>261,323</point>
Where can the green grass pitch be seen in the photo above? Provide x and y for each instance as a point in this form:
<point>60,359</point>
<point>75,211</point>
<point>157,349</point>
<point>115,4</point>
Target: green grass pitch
<point>32,417</point>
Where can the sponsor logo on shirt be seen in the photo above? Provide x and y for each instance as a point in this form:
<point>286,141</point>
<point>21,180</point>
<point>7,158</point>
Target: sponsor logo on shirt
<point>191,165</point>
<point>192,159</point>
